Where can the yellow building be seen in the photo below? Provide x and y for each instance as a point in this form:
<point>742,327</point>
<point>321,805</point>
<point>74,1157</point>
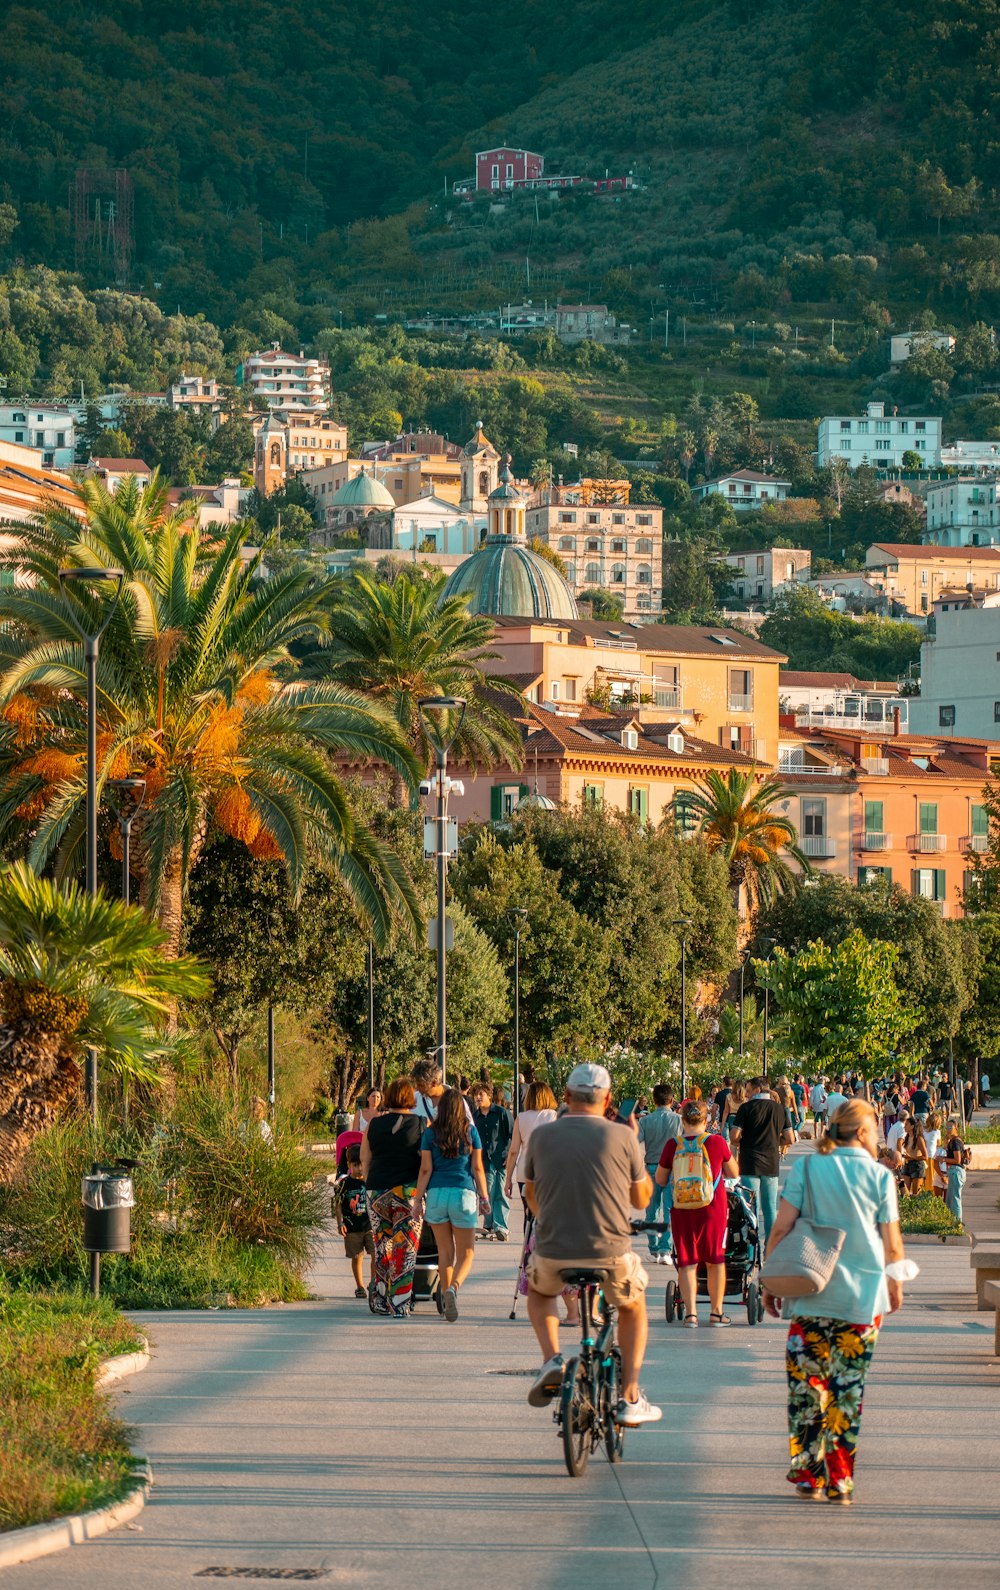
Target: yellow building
<point>720,684</point>
<point>913,577</point>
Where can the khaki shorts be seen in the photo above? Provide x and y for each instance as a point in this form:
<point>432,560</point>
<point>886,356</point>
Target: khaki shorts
<point>627,1279</point>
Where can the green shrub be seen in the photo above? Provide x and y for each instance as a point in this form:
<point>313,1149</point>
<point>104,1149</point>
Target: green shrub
<point>983,1134</point>
<point>926,1213</point>
<point>221,1216</point>
<point>61,1449</point>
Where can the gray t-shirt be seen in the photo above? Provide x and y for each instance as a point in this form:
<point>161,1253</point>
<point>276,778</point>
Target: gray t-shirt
<point>660,1127</point>
<point>583,1167</point>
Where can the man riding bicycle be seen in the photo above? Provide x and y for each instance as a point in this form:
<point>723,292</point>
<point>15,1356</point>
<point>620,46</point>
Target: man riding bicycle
<point>583,1176</point>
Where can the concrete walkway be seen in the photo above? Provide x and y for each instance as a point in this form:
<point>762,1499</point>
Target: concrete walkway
<point>386,1455</point>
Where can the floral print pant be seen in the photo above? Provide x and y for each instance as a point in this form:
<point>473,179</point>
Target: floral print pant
<point>826,1361</point>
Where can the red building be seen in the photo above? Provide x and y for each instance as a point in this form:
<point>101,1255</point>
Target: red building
<point>500,169</point>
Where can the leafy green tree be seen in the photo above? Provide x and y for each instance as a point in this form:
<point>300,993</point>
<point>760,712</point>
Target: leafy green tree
<point>738,819</point>
<point>75,971</point>
<point>689,595</point>
<point>800,625</point>
<point>979,1033</point>
<point>841,1007</point>
<point>605,605</point>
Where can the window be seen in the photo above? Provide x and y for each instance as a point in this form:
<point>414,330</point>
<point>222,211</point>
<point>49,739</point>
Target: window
<point>567,518</point>
<point>874,817</point>
<point>979,820</point>
<point>760,564</point>
<point>644,545</point>
<point>554,696</point>
<point>644,518</point>
<point>873,875</point>
<point>740,689</point>
<point>569,689</point>
<point>593,545</point>
<point>930,883</point>
<point>566,544</point>
<point>503,800</point>
<point>593,575</point>
<point>845,425</point>
<point>644,574</point>
<point>814,818</point>
<point>617,518</point>
<point>928,817</point>
<point>593,796</point>
<point>593,518</point>
<point>946,717</point>
<point>618,574</point>
<point>845,447</point>
<point>923,576</point>
<point>618,546</point>
<point>923,602</point>
<point>920,425</point>
<point>638,803</point>
<point>996,712</point>
<point>684,815</point>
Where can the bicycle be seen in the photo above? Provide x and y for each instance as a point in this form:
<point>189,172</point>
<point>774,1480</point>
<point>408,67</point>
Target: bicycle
<point>592,1382</point>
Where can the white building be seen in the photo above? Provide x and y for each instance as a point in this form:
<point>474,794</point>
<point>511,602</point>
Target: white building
<point>839,701</point>
<point>48,427</point>
<point>278,380</point>
<point>430,524</point>
<point>960,675</point>
<point>879,439</point>
<point>962,513</point>
<point>971,455</point>
<point>842,590</point>
<point>111,472</point>
<point>745,489</point>
<point>217,505</point>
<point>758,576</point>
<point>193,392</point>
<point>906,343</point>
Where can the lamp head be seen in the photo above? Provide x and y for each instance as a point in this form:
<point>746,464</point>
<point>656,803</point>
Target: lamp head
<point>93,576</point>
<point>443,717</point>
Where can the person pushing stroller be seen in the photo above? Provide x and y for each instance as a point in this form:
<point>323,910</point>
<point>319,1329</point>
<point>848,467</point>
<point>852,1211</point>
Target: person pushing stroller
<point>695,1165</point>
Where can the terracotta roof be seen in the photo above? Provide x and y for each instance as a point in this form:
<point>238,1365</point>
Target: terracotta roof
<point>804,679</point>
<point>904,549</point>
<point>676,639</point>
<point>748,474</point>
<point>122,466</point>
<point>565,734</point>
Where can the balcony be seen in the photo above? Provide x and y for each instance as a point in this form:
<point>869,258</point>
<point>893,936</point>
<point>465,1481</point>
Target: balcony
<point>740,703</point>
<point>667,696</point>
<point>977,844</point>
<point>926,843</point>
<point>789,769</point>
<point>877,766</point>
<point>818,846</point>
<point>814,718</point>
<point>870,840</point>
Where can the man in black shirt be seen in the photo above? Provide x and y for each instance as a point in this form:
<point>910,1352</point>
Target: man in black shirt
<point>759,1128</point>
<point>920,1100</point>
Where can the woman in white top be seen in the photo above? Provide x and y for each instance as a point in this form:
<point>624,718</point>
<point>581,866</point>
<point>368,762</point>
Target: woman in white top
<point>367,1112</point>
<point>539,1107</point>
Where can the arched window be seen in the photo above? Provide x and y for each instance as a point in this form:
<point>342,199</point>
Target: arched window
<point>618,574</point>
<point>484,483</point>
<point>644,545</point>
<point>509,521</point>
<point>593,574</point>
<point>276,453</point>
<point>644,574</point>
<point>566,543</point>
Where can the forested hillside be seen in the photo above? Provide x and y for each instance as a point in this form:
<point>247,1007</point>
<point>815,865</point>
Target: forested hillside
<point>797,150</point>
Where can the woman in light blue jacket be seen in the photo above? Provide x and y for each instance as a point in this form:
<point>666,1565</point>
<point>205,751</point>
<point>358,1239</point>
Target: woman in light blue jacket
<point>832,1333</point>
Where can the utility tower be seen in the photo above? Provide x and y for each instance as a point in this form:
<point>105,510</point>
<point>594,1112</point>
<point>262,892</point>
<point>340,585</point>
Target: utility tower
<point>102,212</point>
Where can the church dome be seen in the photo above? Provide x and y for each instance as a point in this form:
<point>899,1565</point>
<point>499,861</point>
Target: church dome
<point>506,579</point>
<point>364,492</point>
<point>536,802</point>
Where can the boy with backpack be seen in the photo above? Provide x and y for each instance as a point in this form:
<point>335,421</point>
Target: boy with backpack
<point>350,1210</point>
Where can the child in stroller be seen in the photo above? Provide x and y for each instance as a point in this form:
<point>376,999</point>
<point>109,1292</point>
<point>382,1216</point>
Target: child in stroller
<point>743,1259</point>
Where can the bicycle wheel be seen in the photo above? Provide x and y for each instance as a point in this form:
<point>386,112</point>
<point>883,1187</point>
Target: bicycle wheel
<point>611,1390</point>
<point>670,1301</point>
<point>576,1417</point>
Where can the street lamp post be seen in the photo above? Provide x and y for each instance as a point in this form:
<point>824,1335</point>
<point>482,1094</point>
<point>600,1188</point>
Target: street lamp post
<point>742,969</point>
<point>371,1013</point>
<point>770,946</point>
<point>134,790</point>
<point>444,716</point>
<point>683,922</point>
<point>518,915</point>
<point>70,579</point>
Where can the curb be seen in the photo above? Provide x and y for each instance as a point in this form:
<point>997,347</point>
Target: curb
<point>927,1238</point>
<point>41,1540</point>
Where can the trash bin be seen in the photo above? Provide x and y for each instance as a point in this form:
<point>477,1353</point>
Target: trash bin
<point>108,1197</point>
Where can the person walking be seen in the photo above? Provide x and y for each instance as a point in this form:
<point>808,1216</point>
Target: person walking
<point>799,1095</point>
<point>955,1157</point>
<point>699,1214</point>
<point>583,1177</point>
<point>367,1111</point>
<point>390,1165</point>
<point>656,1130</point>
<point>758,1132</point>
<point>539,1109</point>
<point>817,1103</point>
<point>921,1100</point>
<point>451,1175</point>
<point>832,1333</point>
<point>913,1148</point>
<point>495,1125</point>
<point>734,1098</point>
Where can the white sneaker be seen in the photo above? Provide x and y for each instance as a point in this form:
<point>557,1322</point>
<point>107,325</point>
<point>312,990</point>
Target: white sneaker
<point>547,1382</point>
<point>641,1411</point>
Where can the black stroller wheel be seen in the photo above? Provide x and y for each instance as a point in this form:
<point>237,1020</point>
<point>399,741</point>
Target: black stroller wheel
<point>753,1304</point>
<point>439,1299</point>
<point>670,1302</point>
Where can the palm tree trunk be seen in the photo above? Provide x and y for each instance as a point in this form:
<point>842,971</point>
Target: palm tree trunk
<point>39,1076</point>
<point>170,907</point>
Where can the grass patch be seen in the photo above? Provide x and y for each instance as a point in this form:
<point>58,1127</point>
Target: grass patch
<point>928,1215</point>
<point>983,1134</point>
<point>61,1448</point>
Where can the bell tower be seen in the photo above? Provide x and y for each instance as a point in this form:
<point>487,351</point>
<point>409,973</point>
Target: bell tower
<point>506,508</point>
<point>480,463</point>
<point>271,457</point>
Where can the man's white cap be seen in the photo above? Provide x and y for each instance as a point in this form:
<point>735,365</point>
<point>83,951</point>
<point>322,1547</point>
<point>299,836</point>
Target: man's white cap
<point>587,1078</point>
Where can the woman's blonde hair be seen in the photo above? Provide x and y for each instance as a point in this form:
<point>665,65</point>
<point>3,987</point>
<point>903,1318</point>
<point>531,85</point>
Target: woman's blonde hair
<point>844,1125</point>
<point>694,1113</point>
<point>540,1097</point>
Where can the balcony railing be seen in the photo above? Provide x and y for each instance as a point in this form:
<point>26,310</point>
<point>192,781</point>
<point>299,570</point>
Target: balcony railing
<point>979,843</point>
<point>811,769</point>
<point>870,840</point>
<point>812,718</point>
<point>666,696</point>
<point>877,766</point>
<point>818,846</point>
<point>740,703</point>
<point>927,842</point>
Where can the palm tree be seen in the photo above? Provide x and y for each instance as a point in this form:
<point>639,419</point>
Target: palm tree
<point>189,698</point>
<point>737,818</point>
<point>397,643</point>
<point>75,971</point>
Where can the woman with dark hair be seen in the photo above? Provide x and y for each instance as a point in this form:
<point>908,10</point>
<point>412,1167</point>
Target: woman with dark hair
<point>915,1156</point>
<point>390,1165</point>
<point>451,1174</point>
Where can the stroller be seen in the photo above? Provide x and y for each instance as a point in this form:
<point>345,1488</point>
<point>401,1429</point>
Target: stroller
<point>743,1259</point>
<point>426,1279</point>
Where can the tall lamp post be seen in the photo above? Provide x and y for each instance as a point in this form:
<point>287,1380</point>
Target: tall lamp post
<point>683,922</point>
<point>370,969</point>
<point>73,580</point>
<point>742,970</point>
<point>130,793</point>
<point>767,992</point>
<point>443,718</point>
<point>518,915</point>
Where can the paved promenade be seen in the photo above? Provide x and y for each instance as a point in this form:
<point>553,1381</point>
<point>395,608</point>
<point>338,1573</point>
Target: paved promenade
<point>387,1455</point>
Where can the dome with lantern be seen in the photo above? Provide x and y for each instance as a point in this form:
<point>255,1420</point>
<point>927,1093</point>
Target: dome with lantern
<point>505,578</point>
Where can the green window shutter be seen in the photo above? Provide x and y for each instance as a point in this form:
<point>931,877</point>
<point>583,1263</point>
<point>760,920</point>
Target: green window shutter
<point>980,821</point>
<point>496,803</point>
<point>873,817</point>
<point>915,882</point>
<point>593,795</point>
<point>522,791</point>
<point>928,817</point>
<point>638,803</point>
<point>886,873</point>
<point>940,884</point>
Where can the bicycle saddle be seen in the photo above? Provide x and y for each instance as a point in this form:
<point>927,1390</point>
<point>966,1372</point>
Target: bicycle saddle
<point>584,1277</point>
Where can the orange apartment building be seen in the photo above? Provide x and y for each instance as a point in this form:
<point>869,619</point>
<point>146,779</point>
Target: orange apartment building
<point>720,684</point>
<point>905,807</point>
<point>913,577</point>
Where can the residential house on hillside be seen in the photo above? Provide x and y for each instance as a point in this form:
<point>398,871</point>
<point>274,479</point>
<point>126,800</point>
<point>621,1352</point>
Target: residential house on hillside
<point>759,576</point>
<point>614,545</point>
<point>983,457</point>
<point>219,505</point>
<point>962,512</point>
<point>50,428</point>
<point>745,489</point>
<point>960,673</point>
<point>911,577</point>
<point>293,442</point>
<point>879,439</point>
<point>111,472</point>
<point>840,701</point>
<point>905,344</point>
<point>850,592</point>
<point>279,380</point>
<point>904,807</point>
